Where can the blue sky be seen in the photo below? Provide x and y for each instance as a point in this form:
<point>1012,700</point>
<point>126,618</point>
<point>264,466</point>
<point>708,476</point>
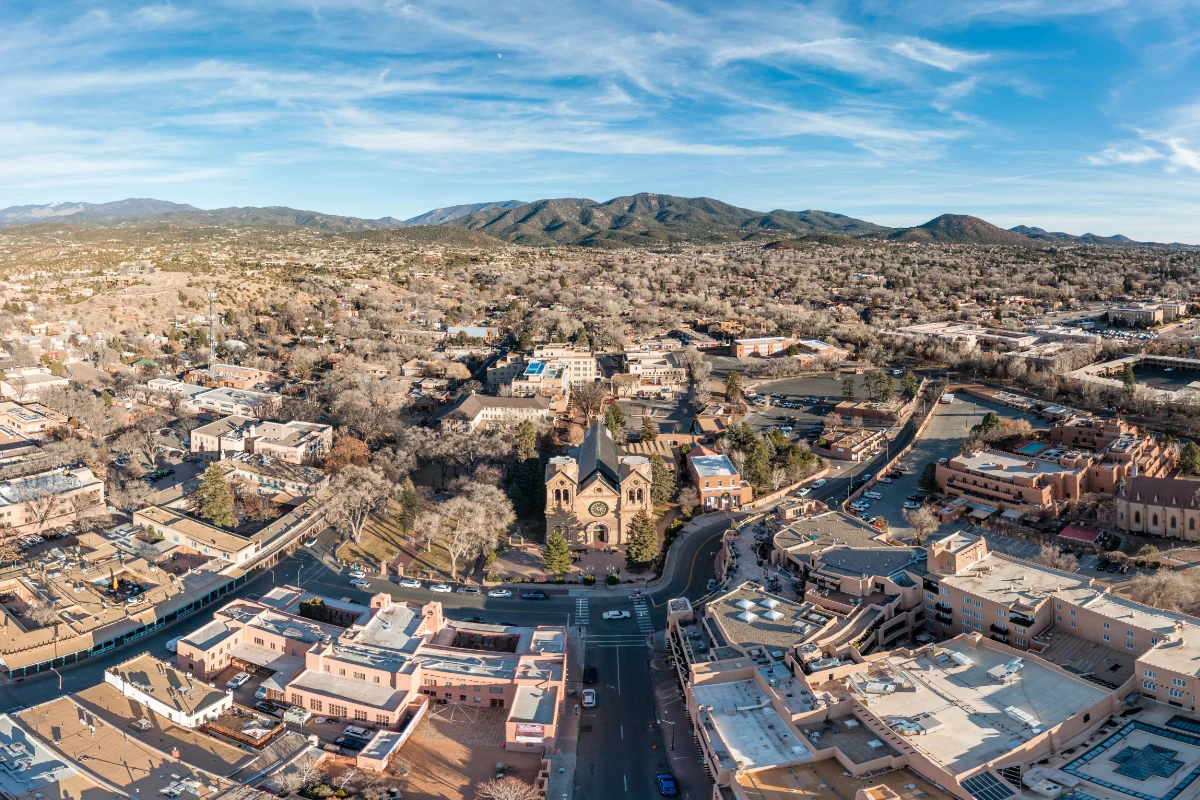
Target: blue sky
<point>1071,115</point>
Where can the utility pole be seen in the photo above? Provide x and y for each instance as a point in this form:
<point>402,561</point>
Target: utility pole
<point>212,333</point>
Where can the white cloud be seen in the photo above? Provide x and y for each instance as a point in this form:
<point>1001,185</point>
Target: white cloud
<point>936,55</point>
<point>161,16</point>
<point>1129,154</point>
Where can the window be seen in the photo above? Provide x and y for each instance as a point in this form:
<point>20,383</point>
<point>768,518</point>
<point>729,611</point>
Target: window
<point>1149,685</point>
<point>1153,640</point>
<point>297,700</point>
<point>1018,629</point>
<point>360,716</point>
<point>314,704</point>
<point>930,596</point>
<point>1072,623</point>
<point>336,710</point>
<point>257,640</point>
<point>945,591</point>
<point>377,679</point>
<point>966,621</point>
<point>1107,638</point>
<point>1180,682</point>
<point>382,719</point>
<point>1058,606</point>
<point>341,671</point>
<point>1058,618</point>
<point>496,689</point>
<point>1129,645</point>
<point>1107,626</point>
<point>1129,634</point>
<point>1178,695</point>
<point>1019,640</point>
<point>327,668</point>
<point>360,676</point>
<point>929,606</point>
<point>1000,612</point>
<point>1149,673</point>
<point>1072,612</point>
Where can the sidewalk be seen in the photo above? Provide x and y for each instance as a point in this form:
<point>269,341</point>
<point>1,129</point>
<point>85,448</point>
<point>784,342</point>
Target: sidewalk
<point>674,726</point>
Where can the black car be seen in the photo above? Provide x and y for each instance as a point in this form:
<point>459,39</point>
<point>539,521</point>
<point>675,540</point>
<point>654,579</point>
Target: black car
<point>269,709</point>
<point>535,596</point>
<point>589,675</point>
<point>350,742</point>
<point>1113,567</point>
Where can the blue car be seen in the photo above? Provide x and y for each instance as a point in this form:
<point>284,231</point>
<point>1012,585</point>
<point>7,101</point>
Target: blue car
<point>666,785</point>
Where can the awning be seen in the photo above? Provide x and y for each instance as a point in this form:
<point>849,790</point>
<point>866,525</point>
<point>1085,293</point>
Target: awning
<point>982,512</point>
<point>1013,515</point>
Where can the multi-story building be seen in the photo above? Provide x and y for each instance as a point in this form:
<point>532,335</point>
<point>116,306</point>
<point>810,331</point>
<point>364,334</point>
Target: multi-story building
<point>556,366</point>
<point>717,479</point>
<point>293,442</point>
<point>1145,315</point>
<point>168,692</point>
<point>32,420</point>
<point>658,373</point>
<point>220,402</point>
<point>763,346</point>
<point>593,494</point>
<point>271,477</point>
<point>195,536</point>
<point>1160,506</point>
<point>479,410</point>
<point>51,499</point>
<point>376,669</point>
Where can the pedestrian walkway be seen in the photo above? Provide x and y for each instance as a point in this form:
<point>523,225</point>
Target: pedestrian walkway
<point>581,611</point>
<point>642,614</point>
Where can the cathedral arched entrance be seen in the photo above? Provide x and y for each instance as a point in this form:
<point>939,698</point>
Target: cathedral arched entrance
<point>598,532</point>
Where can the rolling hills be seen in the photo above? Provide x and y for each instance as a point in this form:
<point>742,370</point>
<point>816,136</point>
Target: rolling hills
<point>638,220</point>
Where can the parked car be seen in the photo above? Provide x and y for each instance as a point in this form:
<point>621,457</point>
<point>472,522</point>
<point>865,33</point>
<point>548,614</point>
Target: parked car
<point>311,543</point>
<point>886,480</point>
<point>535,596</point>
<point>467,590</point>
<point>666,784</point>
<point>357,732</point>
<point>590,675</point>
<point>819,483</point>
<point>911,505</point>
<point>357,573</point>
<point>409,583</point>
<point>615,615</point>
<point>589,698</point>
<point>268,709</point>
<point>441,588</point>
<point>237,680</point>
<point>712,584</point>
<point>173,644</point>
<point>260,693</point>
<point>499,593</point>
<point>803,492</point>
<point>350,743</point>
<point>359,583</point>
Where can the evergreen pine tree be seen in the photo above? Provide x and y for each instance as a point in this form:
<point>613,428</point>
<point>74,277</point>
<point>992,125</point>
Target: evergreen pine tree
<point>556,554</point>
<point>1189,459</point>
<point>641,541</point>
<point>408,505</point>
<point>649,429</point>
<point>216,501</point>
<point>662,480</point>
<point>525,484</point>
<point>733,386</point>
<point>614,419</point>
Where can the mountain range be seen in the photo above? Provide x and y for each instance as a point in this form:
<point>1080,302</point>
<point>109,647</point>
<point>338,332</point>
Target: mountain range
<point>636,220</point>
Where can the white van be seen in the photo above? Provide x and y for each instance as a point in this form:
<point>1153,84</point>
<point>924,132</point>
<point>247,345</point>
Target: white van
<point>819,482</point>
<point>356,732</point>
<point>173,645</point>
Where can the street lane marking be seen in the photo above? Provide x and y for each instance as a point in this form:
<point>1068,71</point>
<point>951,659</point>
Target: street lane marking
<point>581,611</point>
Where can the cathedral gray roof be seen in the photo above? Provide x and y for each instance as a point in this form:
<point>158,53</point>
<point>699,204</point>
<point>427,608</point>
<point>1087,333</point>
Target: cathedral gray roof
<point>599,453</point>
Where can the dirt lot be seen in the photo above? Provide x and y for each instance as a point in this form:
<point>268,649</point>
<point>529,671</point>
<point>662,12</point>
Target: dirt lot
<point>449,757</point>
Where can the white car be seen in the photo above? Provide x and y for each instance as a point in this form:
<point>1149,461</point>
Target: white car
<point>238,680</point>
<point>615,615</point>
<point>360,583</point>
<point>357,573</point>
<point>467,590</point>
<point>820,482</point>
<point>499,593</point>
<point>409,583</point>
<point>873,495</point>
<point>803,492</point>
<point>311,543</point>
<point>911,505</point>
<point>261,693</point>
<point>589,698</point>
<point>440,588</point>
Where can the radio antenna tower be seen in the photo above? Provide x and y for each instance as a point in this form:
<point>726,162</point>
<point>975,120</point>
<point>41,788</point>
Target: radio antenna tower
<point>212,332</point>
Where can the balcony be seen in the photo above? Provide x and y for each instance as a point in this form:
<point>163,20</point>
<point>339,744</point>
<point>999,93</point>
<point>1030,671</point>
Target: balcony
<point>995,627</point>
<point>1021,619</point>
<point>944,618</point>
<point>930,586</point>
<point>999,638</point>
<point>944,606</point>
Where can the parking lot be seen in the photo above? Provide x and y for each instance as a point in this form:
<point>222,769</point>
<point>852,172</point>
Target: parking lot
<point>822,387</point>
<point>942,438</point>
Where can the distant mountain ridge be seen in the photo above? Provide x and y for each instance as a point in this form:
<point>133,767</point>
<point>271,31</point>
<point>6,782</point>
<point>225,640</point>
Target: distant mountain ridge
<point>644,219</point>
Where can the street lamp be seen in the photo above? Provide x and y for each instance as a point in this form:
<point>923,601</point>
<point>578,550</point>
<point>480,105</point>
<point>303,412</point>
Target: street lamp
<point>672,724</point>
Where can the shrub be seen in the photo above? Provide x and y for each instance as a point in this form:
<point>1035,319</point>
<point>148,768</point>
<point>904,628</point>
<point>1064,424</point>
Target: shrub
<point>589,580</point>
<point>613,579</point>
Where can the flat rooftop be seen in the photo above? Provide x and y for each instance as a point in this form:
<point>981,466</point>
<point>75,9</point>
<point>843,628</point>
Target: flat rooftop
<point>752,738</point>
<point>855,738</point>
<point>47,774</point>
<point>1006,580</point>
<point>826,530</point>
<point>392,628</point>
<point>828,780</point>
<point>766,621</point>
<point>337,687</point>
<point>971,706</point>
<point>167,684</point>
<point>534,704</point>
<point>1005,465</point>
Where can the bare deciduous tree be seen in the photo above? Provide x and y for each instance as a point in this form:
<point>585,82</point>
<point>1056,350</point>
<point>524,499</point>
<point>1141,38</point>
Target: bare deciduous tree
<point>923,523</point>
<point>355,494</point>
<point>506,789</point>
<point>468,524</point>
<point>589,399</point>
<point>1164,589</point>
<point>1055,558</point>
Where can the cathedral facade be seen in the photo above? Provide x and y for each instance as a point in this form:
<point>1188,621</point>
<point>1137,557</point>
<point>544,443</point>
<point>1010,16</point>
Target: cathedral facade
<point>593,494</point>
